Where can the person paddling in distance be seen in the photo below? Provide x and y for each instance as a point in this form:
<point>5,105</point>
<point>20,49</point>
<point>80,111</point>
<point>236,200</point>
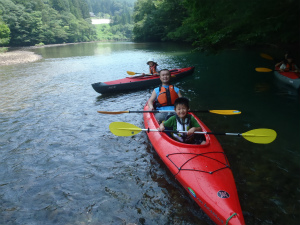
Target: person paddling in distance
<point>282,61</point>
<point>164,96</point>
<point>183,121</point>
<point>153,67</point>
<point>289,65</point>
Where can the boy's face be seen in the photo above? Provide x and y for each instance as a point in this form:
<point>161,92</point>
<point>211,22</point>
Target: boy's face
<point>181,110</point>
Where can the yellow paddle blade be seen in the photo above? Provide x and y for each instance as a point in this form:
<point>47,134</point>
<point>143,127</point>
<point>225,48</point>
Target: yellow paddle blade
<point>107,112</point>
<point>266,56</point>
<point>124,129</point>
<point>260,136</point>
<point>261,69</point>
<point>130,73</point>
<point>226,112</point>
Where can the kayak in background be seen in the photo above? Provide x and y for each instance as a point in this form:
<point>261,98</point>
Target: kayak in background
<point>290,78</point>
<point>138,82</point>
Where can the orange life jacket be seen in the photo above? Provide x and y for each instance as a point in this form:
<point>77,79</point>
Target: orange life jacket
<point>152,69</point>
<point>166,96</point>
<point>289,67</point>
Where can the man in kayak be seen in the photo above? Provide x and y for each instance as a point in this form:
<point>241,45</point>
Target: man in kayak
<point>164,96</point>
<point>183,121</point>
<point>153,67</point>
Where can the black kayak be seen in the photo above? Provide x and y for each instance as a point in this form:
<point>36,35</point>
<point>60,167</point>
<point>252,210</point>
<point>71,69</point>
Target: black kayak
<point>138,82</point>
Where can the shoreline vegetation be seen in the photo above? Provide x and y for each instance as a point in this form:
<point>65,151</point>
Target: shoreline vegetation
<point>208,26</point>
<point>12,55</point>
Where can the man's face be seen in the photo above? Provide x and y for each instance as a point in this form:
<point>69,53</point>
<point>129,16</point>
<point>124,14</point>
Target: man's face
<point>165,76</point>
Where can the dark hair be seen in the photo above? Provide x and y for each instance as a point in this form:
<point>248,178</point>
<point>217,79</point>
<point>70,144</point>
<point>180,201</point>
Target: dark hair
<point>181,101</point>
<point>165,70</point>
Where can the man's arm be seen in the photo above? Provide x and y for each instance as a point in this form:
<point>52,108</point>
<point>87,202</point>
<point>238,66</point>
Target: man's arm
<point>151,100</point>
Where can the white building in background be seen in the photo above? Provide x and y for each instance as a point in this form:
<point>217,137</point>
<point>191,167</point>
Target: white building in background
<point>101,21</point>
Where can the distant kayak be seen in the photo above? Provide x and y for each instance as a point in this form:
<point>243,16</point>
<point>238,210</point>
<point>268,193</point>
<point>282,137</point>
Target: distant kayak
<point>203,171</point>
<point>138,82</point>
<point>290,78</point>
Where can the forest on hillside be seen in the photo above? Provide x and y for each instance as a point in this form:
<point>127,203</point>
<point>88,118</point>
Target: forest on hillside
<point>34,22</point>
<point>218,24</point>
<point>120,12</point>
<point>205,24</point>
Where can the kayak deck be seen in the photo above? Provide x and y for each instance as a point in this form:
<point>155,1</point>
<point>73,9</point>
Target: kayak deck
<point>203,170</point>
<point>290,78</point>
<point>138,82</point>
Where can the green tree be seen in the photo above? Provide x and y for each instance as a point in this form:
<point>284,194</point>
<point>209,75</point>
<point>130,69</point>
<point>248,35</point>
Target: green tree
<point>155,19</point>
<point>60,5</point>
<point>4,33</point>
<point>32,21</point>
<point>218,24</point>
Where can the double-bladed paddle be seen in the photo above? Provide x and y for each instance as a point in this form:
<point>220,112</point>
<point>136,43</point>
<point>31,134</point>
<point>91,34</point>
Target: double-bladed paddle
<point>262,69</point>
<point>134,73</point>
<point>221,112</point>
<point>259,136</point>
<point>148,74</point>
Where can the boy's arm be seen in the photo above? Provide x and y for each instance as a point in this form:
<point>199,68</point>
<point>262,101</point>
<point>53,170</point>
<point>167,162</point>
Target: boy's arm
<point>170,122</point>
<point>195,126</point>
<point>193,129</point>
<point>167,123</point>
<point>161,127</point>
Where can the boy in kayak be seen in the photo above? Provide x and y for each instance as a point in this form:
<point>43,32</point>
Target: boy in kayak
<point>183,121</point>
<point>153,67</point>
<point>164,96</point>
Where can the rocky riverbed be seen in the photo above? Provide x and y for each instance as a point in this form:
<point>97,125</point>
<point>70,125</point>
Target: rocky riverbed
<point>16,57</point>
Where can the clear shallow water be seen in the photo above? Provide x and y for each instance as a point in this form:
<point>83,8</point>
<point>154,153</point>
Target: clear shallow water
<point>60,164</point>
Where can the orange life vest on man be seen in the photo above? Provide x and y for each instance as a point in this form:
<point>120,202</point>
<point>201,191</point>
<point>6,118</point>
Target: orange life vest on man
<point>166,96</point>
<point>289,67</point>
<point>153,69</point>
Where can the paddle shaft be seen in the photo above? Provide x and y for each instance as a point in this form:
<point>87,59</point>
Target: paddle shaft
<point>196,132</point>
<point>259,136</point>
<point>149,111</point>
<point>167,111</point>
<point>221,112</point>
<point>149,74</point>
<point>262,69</point>
<point>164,111</point>
<point>203,132</point>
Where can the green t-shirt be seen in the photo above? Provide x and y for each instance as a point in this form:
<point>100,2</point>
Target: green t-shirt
<point>172,122</point>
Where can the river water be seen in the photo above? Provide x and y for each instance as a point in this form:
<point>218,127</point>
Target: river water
<point>59,164</point>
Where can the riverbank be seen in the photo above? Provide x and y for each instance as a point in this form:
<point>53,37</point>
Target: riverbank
<point>17,57</point>
<point>21,55</point>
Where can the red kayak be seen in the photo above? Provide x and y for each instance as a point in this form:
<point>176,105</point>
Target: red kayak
<point>203,170</point>
<point>138,82</point>
<point>290,78</point>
